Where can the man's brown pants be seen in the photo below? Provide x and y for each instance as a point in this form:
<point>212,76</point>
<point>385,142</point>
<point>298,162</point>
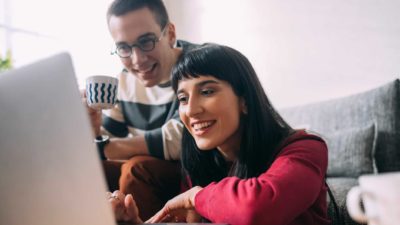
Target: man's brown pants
<point>151,181</point>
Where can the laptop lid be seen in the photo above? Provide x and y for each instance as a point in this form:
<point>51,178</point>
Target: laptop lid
<point>50,173</point>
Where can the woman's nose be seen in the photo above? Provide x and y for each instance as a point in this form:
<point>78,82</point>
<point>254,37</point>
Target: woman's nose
<point>194,107</point>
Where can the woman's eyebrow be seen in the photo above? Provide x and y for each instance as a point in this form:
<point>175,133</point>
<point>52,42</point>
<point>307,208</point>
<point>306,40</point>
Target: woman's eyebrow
<point>199,85</point>
<point>203,83</point>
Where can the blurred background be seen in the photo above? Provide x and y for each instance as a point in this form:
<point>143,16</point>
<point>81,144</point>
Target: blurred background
<point>303,50</point>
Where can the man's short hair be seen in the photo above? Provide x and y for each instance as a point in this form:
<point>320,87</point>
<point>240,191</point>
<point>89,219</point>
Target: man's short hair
<point>157,7</point>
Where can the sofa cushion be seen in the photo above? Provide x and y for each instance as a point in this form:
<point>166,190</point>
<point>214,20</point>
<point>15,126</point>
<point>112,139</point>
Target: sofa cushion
<point>351,152</point>
<point>381,104</point>
<point>340,187</point>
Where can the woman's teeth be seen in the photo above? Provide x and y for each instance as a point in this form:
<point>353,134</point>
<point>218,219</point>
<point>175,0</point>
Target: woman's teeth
<point>199,126</point>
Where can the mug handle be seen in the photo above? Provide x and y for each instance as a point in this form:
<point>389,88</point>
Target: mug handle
<point>353,205</point>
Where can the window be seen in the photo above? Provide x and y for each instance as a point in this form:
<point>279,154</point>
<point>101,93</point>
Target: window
<point>36,29</point>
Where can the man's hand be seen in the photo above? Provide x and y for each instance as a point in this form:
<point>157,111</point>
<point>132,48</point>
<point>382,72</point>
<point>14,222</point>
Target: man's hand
<point>95,115</point>
<point>178,208</point>
<point>124,207</point>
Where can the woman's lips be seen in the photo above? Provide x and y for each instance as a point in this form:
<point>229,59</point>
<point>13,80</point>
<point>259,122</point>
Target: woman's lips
<point>200,128</point>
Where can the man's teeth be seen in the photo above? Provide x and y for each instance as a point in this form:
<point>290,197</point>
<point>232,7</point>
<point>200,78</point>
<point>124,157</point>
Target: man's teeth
<point>199,126</point>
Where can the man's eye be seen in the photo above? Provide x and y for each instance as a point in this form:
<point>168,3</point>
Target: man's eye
<point>123,48</point>
<point>146,43</point>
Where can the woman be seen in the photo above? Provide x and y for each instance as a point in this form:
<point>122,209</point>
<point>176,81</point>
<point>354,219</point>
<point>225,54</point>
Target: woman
<point>244,163</point>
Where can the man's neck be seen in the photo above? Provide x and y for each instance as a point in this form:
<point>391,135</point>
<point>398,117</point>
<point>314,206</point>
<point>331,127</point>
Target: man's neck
<point>176,52</point>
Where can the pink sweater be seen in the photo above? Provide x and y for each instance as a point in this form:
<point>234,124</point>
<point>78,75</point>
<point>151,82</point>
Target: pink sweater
<point>291,192</point>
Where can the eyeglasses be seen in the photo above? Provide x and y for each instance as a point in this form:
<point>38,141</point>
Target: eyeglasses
<point>145,44</point>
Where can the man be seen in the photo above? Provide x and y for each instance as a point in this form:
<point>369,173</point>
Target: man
<point>144,125</point>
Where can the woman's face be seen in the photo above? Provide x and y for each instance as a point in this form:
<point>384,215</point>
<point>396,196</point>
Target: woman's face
<point>211,112</point>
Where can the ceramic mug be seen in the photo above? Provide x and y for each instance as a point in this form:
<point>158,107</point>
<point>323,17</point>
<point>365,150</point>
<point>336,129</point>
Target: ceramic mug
<point>101,91</point>
<point>380,195</point>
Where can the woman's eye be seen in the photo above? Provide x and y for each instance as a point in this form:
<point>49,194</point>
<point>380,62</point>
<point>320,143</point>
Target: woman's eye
<point>182,99</point>
<point>207,92</point>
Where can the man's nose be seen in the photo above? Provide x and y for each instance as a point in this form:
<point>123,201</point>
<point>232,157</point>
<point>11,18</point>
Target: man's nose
<point>138,56</point>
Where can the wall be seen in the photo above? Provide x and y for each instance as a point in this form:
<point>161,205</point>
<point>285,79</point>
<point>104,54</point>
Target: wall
<point>78,27</point>
<point>304,51</point>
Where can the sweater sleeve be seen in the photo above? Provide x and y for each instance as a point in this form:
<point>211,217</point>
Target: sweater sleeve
<point>114,122</point>
<point>287,189</point>
<point>165,142</point>
<point>172,137</point>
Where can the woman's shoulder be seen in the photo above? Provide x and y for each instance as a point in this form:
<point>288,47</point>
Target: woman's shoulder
<point>302,135</point>
<point>302,139</point>
<point>306,146</point>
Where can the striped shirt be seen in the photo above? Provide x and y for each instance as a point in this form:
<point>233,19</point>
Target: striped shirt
<point>148,111</point>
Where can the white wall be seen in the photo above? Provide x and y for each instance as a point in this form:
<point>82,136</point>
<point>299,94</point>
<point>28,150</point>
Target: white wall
<point>303,50</point>
<point>45,27</point>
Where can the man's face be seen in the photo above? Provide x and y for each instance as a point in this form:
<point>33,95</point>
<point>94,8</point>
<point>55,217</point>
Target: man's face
<point>152,67</point>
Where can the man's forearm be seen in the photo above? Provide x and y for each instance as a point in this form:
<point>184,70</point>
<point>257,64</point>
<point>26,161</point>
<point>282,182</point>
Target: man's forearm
<point>126,148</point>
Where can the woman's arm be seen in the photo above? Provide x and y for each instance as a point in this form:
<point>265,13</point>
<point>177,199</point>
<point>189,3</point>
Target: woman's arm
<point>289,187</point>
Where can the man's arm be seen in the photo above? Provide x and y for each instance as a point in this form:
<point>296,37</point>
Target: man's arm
<point>125,148</point>
<point>162,142</point>
<point>165,143</point>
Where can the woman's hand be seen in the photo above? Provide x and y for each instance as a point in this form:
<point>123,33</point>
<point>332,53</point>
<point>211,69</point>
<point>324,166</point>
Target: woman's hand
<point>124,207</point>
<point>178,208</point>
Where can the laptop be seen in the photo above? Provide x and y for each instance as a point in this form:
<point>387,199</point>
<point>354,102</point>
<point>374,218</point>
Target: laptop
<point>49,168</point>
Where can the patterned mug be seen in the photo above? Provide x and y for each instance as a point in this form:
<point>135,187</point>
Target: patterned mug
<point>101,92</point>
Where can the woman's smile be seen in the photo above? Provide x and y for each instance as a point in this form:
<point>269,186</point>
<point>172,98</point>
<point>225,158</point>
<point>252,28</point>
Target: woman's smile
<point>205,113</point>
<point>202,127</point>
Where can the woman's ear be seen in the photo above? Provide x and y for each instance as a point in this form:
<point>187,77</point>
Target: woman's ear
<point>243,106</point>
<point>171,34</point>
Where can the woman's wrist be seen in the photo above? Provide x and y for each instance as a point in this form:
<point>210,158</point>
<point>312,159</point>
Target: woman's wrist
<point>195,190</point>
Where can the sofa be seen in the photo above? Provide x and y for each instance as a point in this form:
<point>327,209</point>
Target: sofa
<point>362,132</point>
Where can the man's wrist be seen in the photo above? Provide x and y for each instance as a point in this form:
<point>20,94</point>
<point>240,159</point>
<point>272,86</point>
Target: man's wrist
<point>101,142</point>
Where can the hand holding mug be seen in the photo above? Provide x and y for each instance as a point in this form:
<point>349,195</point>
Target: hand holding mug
<point>100,93</point>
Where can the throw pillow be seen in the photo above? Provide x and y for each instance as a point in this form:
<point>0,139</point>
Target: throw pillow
<point>351,152</point>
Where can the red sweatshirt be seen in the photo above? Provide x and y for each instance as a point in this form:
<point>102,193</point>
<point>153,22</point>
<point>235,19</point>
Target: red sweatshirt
<point>291,192</point>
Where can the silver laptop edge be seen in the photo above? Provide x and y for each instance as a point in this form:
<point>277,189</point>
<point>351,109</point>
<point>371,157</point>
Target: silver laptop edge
<point>49,167</point>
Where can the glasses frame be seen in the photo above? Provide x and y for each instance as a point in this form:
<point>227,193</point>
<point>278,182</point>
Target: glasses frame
<point>138,46</point>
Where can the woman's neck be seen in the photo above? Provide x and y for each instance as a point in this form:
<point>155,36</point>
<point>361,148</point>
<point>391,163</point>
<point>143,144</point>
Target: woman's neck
<point>231,147</point>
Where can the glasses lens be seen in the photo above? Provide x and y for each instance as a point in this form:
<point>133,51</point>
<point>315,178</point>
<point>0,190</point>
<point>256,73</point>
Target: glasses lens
<point>124,51</point>
<point>146,44</point>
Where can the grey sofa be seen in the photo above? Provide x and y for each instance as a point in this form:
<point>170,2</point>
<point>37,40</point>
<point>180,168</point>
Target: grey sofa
<point>363,136</point>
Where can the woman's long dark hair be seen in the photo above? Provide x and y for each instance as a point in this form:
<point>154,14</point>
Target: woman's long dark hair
<point>263,128</point>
